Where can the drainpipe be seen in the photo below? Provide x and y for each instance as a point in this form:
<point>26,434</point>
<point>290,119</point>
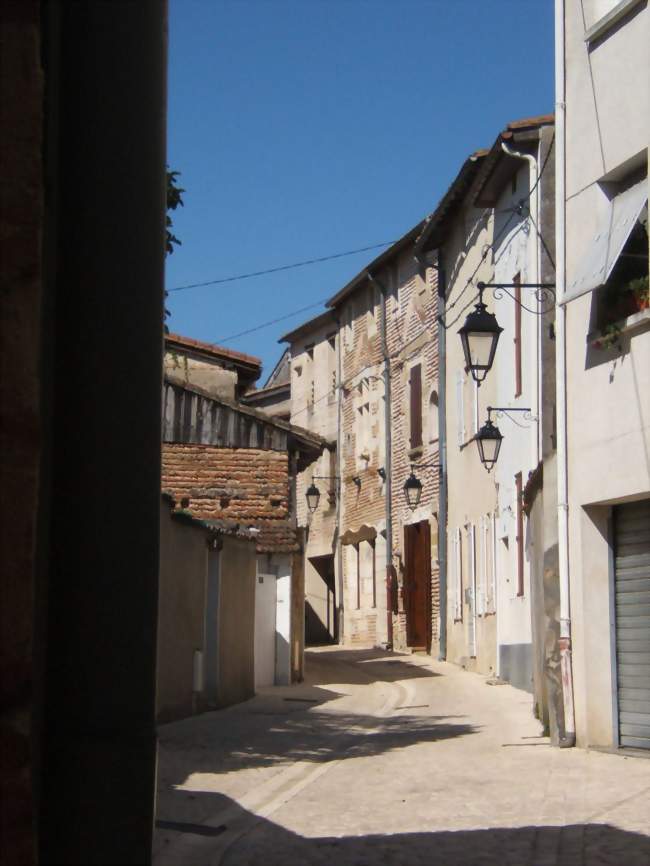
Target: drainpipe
<point>387,462</point>
<point>442,456</point>
<point>569,737</point>
<point>533,204</point>
<point>339,486</point>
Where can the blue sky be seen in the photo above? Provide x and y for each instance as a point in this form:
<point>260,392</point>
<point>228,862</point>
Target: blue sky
<point>304,129</point>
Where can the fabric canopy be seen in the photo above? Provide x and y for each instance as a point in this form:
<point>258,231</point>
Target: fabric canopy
<point>606,247</point>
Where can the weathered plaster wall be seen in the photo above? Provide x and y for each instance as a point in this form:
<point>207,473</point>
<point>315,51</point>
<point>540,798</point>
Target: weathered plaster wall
<point>210,377</point>
<point>472,494</point>
<point>181,601</point>
<point>236,622</point>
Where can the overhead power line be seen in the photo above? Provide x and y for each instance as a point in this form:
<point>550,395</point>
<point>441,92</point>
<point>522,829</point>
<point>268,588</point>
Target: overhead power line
<point>290,267</point>
<point>271,322</point>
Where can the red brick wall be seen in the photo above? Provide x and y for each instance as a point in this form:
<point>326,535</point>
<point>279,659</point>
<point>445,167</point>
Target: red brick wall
<point>248,485</point>
<point>412,338</point>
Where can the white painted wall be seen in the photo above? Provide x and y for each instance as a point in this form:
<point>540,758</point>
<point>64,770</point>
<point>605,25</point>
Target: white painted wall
<point>608,395</point>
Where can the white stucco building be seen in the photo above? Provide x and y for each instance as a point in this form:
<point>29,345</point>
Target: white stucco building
<point>603,370</point>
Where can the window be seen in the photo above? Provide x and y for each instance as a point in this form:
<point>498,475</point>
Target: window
<point>471,548</point>
<point>434,420</point>
<point>481,557</point>
<point>618,240</point>
<point>626,290</point>
<point>416,405</point>
<point>517,340</point>
<point>310,351</point>
<point>520,533</point>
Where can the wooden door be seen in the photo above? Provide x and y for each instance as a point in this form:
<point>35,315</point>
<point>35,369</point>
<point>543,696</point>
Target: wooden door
<point>417,584</point>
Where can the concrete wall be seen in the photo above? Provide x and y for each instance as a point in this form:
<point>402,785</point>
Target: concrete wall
<point>209,376</point>
<point>608,390</point>
<point>236,622</point>
<point>183,568</point>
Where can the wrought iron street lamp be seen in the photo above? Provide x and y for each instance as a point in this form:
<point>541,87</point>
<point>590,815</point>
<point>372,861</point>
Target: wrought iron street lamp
<point>412,490</point>
<point>479,336</point>
<point>312,494</point>
<point>488,441</point>
<point>480,333</point>
<point>489,437</point>
<point>313,497</point>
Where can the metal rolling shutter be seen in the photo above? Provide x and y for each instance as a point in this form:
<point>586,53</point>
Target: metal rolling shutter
<point>632,564</point>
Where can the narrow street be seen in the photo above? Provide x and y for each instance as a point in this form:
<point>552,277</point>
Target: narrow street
<point>381,758</point>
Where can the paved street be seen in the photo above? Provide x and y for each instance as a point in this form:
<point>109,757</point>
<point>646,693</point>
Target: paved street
<point>382,758</point>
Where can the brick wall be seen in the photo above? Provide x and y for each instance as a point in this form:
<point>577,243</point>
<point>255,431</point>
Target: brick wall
<point>412,339</point>
<point>247,485</point>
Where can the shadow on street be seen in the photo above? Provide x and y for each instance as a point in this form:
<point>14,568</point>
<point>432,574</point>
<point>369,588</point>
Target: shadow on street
<point>572,845</point>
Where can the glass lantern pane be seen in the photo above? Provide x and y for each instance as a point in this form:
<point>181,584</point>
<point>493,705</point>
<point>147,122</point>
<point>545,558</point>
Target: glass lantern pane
<point>480,347</point>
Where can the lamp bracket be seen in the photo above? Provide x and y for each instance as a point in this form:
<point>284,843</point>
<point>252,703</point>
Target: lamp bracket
<point>500,411</point>
<point>544,294</point>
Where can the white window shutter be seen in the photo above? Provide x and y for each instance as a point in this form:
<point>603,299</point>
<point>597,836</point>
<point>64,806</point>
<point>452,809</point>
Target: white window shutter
<point>459,576</point>
<point>460,406</point>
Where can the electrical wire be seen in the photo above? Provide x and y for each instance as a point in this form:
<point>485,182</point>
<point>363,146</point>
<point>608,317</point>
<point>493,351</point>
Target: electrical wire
<point>290,267</point>
<point>223,340</point>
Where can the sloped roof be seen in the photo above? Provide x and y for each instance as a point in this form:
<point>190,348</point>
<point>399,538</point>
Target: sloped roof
<point>219,353</point>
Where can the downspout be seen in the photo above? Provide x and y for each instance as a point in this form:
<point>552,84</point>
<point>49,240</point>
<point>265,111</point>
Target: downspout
<point>533,205</point>
<point>339,488</point>
<point>388,445</point>
<point>442,456</point>
<point>569,737</point>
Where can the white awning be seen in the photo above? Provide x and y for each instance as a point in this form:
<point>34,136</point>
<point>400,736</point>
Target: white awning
<point>606,247</point>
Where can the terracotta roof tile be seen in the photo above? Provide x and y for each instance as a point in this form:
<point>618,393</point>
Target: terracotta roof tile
<point>213,349</point>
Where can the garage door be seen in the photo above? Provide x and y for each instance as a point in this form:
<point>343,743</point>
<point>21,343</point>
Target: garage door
<point>632,575</point>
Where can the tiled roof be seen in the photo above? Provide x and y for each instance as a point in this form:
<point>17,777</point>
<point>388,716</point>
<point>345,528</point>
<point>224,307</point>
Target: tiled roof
<point>219,352</point>
<point>244,486</point>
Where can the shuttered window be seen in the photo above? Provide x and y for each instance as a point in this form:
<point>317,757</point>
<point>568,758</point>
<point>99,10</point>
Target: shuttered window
<point>520,533</point>
<point>460,406</point>
<point>456,575</point>
<point>416,406</point>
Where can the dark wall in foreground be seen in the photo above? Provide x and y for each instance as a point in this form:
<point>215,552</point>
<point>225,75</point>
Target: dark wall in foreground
<point>83,107</point>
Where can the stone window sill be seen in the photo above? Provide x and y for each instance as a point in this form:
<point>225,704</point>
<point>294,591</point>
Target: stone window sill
<point>637,322</point>
<point>601,27</point>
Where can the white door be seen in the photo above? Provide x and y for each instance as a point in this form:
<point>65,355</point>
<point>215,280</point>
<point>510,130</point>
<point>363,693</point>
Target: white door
<point>265,615</point>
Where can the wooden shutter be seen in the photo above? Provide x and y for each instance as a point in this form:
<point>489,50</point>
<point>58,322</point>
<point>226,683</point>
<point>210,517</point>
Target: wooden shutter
<point>416,406</point>
<point>520,534</point>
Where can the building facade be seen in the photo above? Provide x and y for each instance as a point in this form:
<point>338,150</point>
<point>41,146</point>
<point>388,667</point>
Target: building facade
<point>603,369</point>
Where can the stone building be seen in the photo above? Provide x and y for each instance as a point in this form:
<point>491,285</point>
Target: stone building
<point>216,370</point>
<point>234,468</point>
<point>313,362</point>
<point>274,397</point>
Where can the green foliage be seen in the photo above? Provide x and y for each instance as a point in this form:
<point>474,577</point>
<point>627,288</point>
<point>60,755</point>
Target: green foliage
<point>174,199</point>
